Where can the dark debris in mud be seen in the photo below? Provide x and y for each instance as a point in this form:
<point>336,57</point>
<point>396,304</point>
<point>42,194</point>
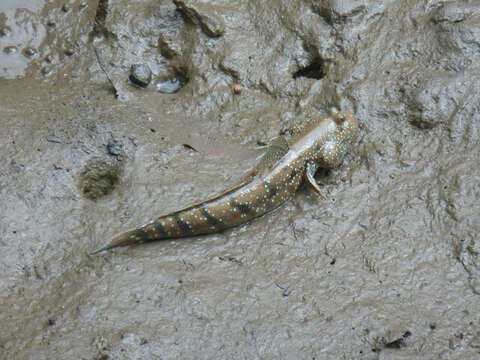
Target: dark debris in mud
<point>98,178</point>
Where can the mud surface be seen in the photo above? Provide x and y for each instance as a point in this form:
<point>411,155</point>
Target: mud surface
<point>113,112</point>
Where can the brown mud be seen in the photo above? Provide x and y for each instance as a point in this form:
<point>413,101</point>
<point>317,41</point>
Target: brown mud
<point>114,112</point>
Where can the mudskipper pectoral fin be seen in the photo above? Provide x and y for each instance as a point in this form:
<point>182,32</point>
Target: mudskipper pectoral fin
<point>311,170</point>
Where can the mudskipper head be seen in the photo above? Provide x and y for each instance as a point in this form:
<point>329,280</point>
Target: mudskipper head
<point>342,132</point>
<point>346,124</point>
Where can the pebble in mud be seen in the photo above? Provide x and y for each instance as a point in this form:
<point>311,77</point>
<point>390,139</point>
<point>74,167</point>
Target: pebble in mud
<point>10,49</point>
<point>170,86</point>
<point>46,71</point>
<point>114,148</point>
<point>29,52</point>
<point>49,59</point>
<point>5,31</point>
<point>140,74</point>
<point>237,88</point>
<point>98,178</point>
<point>69,52</point>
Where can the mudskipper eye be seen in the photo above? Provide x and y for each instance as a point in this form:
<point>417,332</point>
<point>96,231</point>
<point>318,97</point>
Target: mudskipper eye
<point>333,111</point>
<point>338,117</point>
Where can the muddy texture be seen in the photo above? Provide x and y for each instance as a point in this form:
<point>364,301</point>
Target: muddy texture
<point>387,268</point>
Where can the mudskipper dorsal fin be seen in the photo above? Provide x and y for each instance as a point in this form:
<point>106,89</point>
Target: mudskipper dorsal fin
<point>274,152</point>
<point>301,127</point>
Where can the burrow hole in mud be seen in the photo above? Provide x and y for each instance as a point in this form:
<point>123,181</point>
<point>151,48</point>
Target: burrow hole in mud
<point>181,73</point>
<point>314,70</point>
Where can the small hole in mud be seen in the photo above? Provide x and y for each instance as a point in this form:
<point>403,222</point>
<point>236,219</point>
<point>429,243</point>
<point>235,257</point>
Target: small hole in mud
<point>314,70</point>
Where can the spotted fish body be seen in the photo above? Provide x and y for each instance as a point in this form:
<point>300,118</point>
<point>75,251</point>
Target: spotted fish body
<point>320,143</point>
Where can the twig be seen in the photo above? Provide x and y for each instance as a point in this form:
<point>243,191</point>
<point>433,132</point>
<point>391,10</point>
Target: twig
<point>103,68</point>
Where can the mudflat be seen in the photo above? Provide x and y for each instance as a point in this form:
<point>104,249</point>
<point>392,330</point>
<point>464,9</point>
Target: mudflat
<point>115,112</point>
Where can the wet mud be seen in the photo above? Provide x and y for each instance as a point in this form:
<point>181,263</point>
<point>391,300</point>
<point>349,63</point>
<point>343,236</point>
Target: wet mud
<point>114,112</point>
